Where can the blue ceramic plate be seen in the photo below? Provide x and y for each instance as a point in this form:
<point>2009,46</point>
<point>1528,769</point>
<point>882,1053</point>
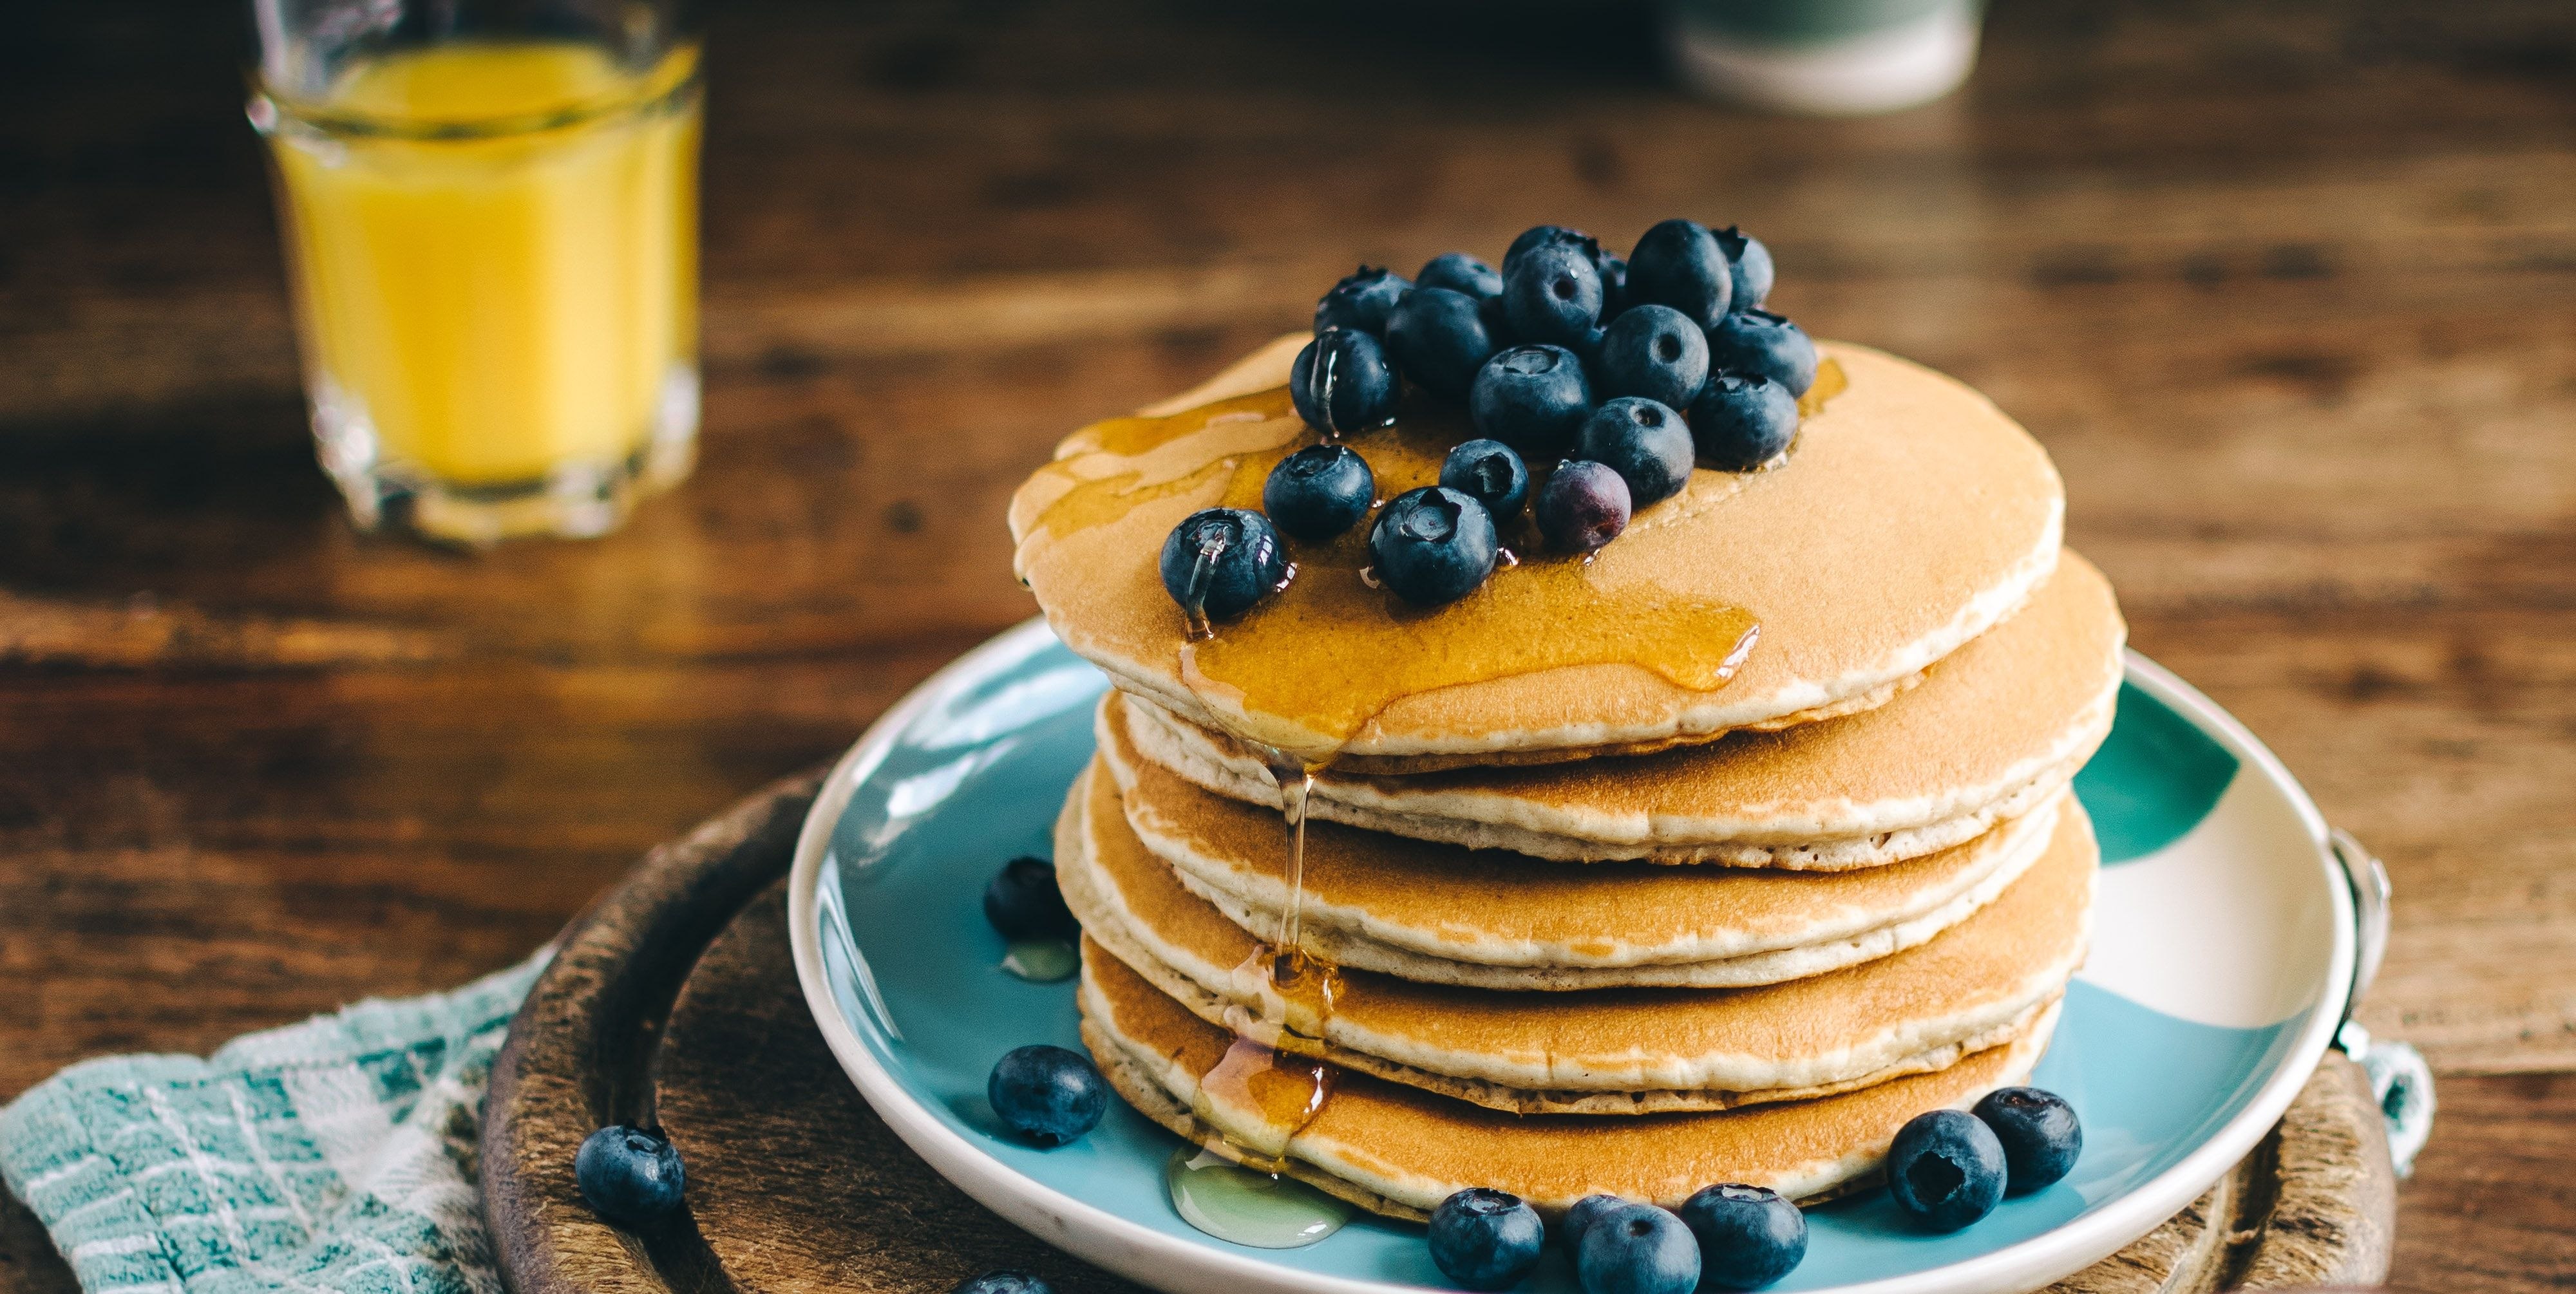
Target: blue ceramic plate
<point>2223,950</point>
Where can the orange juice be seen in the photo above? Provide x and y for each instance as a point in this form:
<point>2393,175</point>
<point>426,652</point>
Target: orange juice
<point>494,246</point>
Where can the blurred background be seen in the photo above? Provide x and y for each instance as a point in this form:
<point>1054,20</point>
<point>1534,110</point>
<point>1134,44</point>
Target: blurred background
<point>2288,289</point>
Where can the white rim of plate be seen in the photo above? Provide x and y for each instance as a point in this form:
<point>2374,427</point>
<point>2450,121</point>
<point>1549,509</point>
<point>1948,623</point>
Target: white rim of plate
<point>1132,1249</point>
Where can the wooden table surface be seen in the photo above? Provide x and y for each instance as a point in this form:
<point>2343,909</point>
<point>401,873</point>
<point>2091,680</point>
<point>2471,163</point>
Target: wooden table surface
<point>2289,290</point>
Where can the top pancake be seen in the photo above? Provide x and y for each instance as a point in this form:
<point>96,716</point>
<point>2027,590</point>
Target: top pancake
<point>1908,517</point>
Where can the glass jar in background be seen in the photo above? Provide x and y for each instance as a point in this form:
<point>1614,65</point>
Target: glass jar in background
<point>490,215</point>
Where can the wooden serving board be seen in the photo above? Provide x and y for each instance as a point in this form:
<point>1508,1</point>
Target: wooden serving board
<point>673,998</point>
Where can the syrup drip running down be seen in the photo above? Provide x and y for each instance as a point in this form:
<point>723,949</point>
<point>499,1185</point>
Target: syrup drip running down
<point>1202,572</point>
<point>1271,1072</point>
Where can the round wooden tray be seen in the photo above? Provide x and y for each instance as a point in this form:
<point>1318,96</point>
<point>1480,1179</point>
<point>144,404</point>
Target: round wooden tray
<point>672,999</point>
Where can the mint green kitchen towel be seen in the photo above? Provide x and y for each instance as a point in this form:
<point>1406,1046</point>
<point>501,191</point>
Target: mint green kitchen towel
<point>333,1155</point>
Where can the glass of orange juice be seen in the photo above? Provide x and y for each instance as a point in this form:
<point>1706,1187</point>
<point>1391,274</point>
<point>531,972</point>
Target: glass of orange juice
<point>490,213</point>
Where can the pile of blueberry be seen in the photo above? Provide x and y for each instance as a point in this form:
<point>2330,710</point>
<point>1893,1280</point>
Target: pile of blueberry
<point>1619,375</point>
<point>1945,1170</point>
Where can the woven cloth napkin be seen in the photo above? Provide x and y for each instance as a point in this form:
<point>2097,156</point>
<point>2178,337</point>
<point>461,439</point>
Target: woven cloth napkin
<point>333,1155</point>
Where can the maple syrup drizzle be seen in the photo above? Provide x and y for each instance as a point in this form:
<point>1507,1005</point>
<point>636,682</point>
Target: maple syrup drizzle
<point>1273,1069</point>
<point>1202,573</point>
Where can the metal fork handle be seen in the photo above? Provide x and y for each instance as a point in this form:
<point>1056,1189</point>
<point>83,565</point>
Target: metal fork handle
<point>2368,878</point>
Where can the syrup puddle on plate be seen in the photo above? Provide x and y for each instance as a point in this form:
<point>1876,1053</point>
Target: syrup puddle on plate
<point>1231,1202</point>
<point>1042,961</point>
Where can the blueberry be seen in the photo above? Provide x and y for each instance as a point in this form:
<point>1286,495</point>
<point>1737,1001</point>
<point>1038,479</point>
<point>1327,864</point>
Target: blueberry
<point>1439,338</point>
<point>1740,423</point>
<point>1342,382</point>
<point>1022,902</point>
<point>1751,263</point>
<point>1047,1094</point>
<point>1459,272</point>
<point>1002,1282</point>
<point>1637,1249</point>
<point>1553,294</point>
<point>1538,236</point>
<point>1656,352</point>
<point>1361,300</point>
<point>1319,491</point>
<point>2039,1132</point>
<point>1583,506</point>
<point>1485,1240</point>
<point>1748,1236</point>
<point>629,1176</point>
<point>1532,398</point>
<point>1490,473</point>
<point>1433,545</point>
<point>1946,1169</point>
<point>1644,441</point>
<point>1758,341</point>
<point>1614,283</point>
<point>1679,264</point>
<point>1244,561</point>
<point>1579,1219</point>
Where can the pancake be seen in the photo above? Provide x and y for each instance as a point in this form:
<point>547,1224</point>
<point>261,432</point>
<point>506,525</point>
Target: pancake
<point>1908,517</point>
<point>1430,912</point>
<point>1605,1051</point>
<point>1996,728</point>
<point>1399,1150</point>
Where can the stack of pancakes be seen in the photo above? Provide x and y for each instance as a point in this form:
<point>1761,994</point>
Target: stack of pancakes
<point>1582,928</point>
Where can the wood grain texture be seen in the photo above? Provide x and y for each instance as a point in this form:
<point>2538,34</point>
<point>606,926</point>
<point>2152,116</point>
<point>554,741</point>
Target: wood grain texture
<point>648,1013</point>
<point>2282,286</point>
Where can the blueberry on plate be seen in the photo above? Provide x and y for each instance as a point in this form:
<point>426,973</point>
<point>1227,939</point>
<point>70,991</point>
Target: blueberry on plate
<point>1946,1169</point>
<point>1342,382</point>
<point>1439,339</point>
<point>1740,423</point>
<point>1656,352</point>
<point>1614,283</point>
<point>1532,398</point>
<point>1002,1282</point>
<point>1047,1094</point>
<point>1459,272</point>
<point>1553,294</point>
<point>1319,491</point>
<point>1579,1219</point>
<point>1222,560</point>
<point>1490,473</point>
<point>629,1176</point>
<point>1644,441</point>
<point>1751,263</point>
<point>1637,1249</point>
<point>1758,341</point>
<point>1433,545</point>
<point>1361,300</point>
<point>1022,902</point>
<point>1538,236</point>
<point>1748,1236</point>
<point>1678,263</point>
<point>1485,1240</point>
<point>1583,506</point>
<point>2040,1134</point>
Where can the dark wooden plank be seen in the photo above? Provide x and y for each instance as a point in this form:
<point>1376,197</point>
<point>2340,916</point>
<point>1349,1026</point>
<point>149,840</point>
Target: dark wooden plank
<point>2490,1203</point>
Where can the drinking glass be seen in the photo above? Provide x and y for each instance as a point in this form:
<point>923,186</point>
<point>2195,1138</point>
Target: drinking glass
<point>490,215</point>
